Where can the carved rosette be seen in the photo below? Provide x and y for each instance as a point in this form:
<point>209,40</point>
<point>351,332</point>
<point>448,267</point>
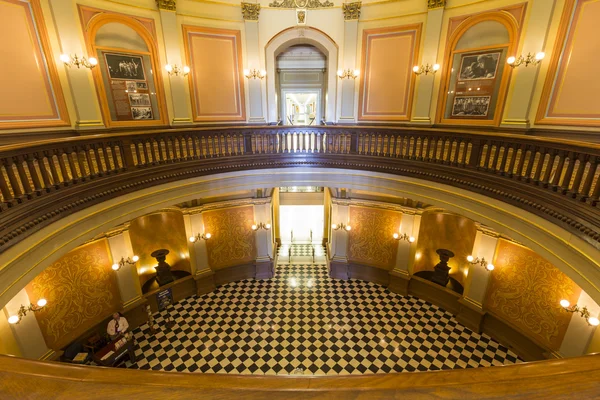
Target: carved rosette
<point>250,11</point>
<point>169,5</point>
<point>351,10</point>
<point>436,4</point>
<point>301,4</point>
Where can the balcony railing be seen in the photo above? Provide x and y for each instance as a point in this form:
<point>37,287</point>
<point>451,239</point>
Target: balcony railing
<point>43,181</point>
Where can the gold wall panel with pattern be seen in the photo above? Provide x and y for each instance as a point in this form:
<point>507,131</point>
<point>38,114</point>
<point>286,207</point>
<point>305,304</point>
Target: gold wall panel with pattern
<point>370,240</point>
<point>441,230</point>
<point>525,290</point>
<point>81,289</point>
<point>161,230</point>
<point>232,241</point>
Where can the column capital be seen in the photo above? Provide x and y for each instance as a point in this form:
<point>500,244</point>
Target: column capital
<point>351,10</point>
<point>431,4</point>
<point>250,11</point>
<point>166,5</point>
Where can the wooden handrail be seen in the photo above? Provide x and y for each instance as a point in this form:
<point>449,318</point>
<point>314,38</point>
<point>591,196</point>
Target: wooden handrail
<point>554,178</point>
<point>551,379</point>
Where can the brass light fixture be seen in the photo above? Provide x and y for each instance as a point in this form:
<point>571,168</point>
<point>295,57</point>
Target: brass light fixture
<point>583,311</point>
<point>529,59</point>
<point>348,73</point>
<point>254,73</point>
<point>123,262</point>
<point>200,236</point>
<point>76,61</point>
<point>481,261</point>
<point>432,69</point>
<point>261,225</point>
<point>404,236</point>
<point>15,319</point>
<point>341,225</point>
<point>176,70</point>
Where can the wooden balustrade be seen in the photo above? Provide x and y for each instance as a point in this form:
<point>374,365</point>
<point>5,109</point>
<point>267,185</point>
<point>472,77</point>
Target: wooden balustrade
<point>557,179</point>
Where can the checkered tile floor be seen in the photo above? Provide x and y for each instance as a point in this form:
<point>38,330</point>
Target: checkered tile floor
<point>303,322</point>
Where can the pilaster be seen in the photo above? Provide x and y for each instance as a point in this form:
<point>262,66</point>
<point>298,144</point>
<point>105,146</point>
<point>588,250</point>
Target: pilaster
<point>128,281</point>
<point>405,256</point>
<point>338,265</point>
<point>256,87</point>
<point>264,245</point>
<point>348,87</point>
<point>579,334</point>
<point>203,274</point>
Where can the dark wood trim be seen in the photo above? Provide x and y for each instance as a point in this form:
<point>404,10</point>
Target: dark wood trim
<point>368,273</point>
<point>235,273</point>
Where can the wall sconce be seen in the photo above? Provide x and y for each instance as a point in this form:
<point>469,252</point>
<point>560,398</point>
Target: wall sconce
<point>175,70</point>
<point>260,225</point>
<point>254,73</point>
<point>341,225</point>
<point>15,319</point>
<point>426,69</point>
<point>123,261</point>
<point>200,236</point>
<point>481,261</point>
<point>78,62</point>
<point>404,236</point>
<point>348,73</point>
<point>528,59</point>
<point>583,311</point>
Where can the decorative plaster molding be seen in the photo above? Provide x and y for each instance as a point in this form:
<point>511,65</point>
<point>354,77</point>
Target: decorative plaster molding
<point>351,10</point>
<point>301,4</point>
<point>225,204</point>
<point>250,11</point>
<point>168,5</point>
<point>431,4</point>
<point>377,204</point>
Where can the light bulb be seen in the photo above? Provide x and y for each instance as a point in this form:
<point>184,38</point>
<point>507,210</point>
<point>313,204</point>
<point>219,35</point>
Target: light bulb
<point>246,72</point>
<point>263,73</point>
<point>411,239</point>
<point>416,68</point>
<point>186,69</point>
<point>489,267</point>
<point>540,55</point>
<point>356,72</point>
<point>42,302</point>
<point>436,67</point>
<point>470,258</point>
<point>13,319</point>
<point>115,267</point>
<point>168,67</point>
<point>564,303</point>
<point>65,58</point>
<point>334,226</point>
<point>268,226</point>
<point>93,61</point>
<point>593,321</point>
<point>135,258</point>
<point>340,73</point>
<point>254,227</point>
<point>348,227</point>
<point>395,235</point>
<point>192,239</point>
<point>511,60</point>
<point>208,236</point>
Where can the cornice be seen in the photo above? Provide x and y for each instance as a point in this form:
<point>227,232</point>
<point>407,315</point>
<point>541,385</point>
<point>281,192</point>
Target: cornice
<point>224,204</point>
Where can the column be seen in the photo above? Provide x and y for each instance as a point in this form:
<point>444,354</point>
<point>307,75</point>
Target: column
<point>348,86</point>
<point>179,94</point>
<point>81,81</point>
<point>522,82</point>
<point>471,304</point>
<point>127,277</point>
<point>256,87</point>
<point>579,335</point>
<point>203,274</point>
<point>264,246</point>
<point>27,332</point>
<point>338,265</point>
<point>425,83</point>
<point>405,256</point>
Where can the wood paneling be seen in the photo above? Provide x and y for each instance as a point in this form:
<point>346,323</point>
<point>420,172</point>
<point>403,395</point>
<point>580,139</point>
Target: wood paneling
<point>525,291</point>
<point>31,91</point>
<point>81,290</point>
<point>216,80</point>
<point>387,80</point>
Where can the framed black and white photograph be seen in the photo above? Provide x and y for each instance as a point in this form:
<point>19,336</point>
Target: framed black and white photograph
<point>125,66</point>
<point>139,99</point>
<point>479,66</point>
<point>141,85</point>
<point>141,112</point>
<point>471,106</point>
<point>131,86</point>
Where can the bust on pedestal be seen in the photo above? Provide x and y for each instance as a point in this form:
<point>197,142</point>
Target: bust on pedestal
<point>163,269</point>
<point>441,270</point>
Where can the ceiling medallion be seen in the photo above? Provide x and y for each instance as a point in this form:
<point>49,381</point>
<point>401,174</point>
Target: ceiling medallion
<point>301,4</point>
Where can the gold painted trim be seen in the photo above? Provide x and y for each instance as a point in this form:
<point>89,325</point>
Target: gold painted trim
<point>391,17</point>
<point>241,20</point>
<point>472,304</point>
<point>48,355</point>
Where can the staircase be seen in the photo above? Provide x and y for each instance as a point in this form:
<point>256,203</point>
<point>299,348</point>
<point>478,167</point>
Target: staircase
<point>301,253</point>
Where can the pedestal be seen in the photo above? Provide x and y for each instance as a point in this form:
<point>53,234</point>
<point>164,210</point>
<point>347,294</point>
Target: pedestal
<point>399,282</point>
<point>205,282</point>
<point>264,269</point>
<point>338,269</point>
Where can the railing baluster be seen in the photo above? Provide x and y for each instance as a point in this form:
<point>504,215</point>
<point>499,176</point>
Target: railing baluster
<point>574,191</point>
<point>564,185</point>
<point>559,167</point>
<point>12,178</point>
<point>4,189</point>
<point>37,184</point>
<point>62,166</point>
<point>589,179</point>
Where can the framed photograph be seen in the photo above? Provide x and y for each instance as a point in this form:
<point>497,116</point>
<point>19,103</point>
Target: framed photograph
<point>479,66</point>
<point>471,106</point>
<point>141,113</point>
<point>139,99</point>
<point>142,85</point>
<point>125,66</point>
<point>131,86</point>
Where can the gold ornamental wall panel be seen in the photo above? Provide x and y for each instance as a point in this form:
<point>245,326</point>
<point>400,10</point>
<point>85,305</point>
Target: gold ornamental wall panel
<point>162,230</point>
<point>370,240</point>
<point>232,241</point>
<point>525,290</point>
<point>81,290</point>
<point>440,230</point>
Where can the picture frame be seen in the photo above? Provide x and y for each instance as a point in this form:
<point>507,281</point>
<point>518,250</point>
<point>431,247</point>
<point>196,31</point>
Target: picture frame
<point>139,99</point>
<point>139,113</point>
<point>471,106</point>
<point>479,66</point>
<point>125,66</point>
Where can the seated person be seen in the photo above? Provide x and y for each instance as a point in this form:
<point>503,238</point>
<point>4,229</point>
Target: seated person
<point>117,326</point>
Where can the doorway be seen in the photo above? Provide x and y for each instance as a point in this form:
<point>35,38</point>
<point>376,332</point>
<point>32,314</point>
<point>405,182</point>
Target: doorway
<point>301,224</point>
<point>302,108</point>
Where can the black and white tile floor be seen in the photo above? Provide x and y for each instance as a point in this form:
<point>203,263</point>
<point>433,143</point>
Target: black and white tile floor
<point>302,321</point>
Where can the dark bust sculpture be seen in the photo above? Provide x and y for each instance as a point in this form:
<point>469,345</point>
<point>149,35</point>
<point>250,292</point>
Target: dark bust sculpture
<point>163,270</point>
<point>440,271</point>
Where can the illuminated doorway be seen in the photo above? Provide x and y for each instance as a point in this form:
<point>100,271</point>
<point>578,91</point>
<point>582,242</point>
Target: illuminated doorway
<point>302,108</point>
<point>301,224</point>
